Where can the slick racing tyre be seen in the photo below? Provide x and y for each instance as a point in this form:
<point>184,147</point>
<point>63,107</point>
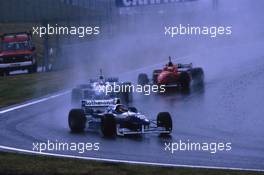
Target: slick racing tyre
<point>197,76</point>
<point>76,120</point>
<point>108,125</point>
<point>143,79</point>
<point>164,120</point>
<point>184,81</point>
<point>155,75</point>
<point>76,96</point>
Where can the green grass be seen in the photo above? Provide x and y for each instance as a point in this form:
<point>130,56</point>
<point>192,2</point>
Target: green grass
<point>19,88</point>
<point>17,164</point>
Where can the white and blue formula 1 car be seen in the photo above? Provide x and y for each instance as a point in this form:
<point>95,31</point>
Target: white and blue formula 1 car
<point>96,90</point>
<point>113,119</point>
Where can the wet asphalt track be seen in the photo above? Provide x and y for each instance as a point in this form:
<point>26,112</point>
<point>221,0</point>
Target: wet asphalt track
<point>228,109</point>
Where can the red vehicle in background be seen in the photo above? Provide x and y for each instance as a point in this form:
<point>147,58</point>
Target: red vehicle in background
<point>17,53</point>
<point>174,76</point>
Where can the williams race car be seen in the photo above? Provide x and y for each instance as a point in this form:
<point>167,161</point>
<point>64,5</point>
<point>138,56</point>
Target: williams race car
<point>113,119</point>
<point>174,75</point>
<point>99,89</point>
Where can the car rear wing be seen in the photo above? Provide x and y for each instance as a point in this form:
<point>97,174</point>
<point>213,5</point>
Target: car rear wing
<point>185,65</point>
<point>112,79</point>
<point>100,103</point>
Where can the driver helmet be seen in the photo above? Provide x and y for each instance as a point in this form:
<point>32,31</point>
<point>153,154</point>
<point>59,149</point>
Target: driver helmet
<point>120,109</point>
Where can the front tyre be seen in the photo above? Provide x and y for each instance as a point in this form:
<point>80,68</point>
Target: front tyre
<point>108,125</point>
<point>76,120</point>
<point>164,120</point>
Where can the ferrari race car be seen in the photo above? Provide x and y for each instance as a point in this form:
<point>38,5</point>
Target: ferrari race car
<point>174,75</point>
<point>99,89</point>
<point>113,119</point>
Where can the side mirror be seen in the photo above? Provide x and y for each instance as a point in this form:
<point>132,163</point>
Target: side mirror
<point>33,48</point>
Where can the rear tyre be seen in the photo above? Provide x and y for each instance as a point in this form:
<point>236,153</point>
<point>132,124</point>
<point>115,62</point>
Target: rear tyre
<point>155,75</point>
<point>197,76</point>
<point>108,125</point>
<point>164,120</point>
<point>143,79</point>
<point>184,81</point>
<point>76,97</point>
<point>76,120</point>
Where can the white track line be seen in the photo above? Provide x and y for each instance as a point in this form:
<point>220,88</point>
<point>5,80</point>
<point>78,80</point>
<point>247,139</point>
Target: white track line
<point>33,102</point>
<point>127,161</point>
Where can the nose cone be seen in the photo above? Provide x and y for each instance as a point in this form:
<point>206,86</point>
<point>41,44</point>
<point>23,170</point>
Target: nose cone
<point>141,120</point>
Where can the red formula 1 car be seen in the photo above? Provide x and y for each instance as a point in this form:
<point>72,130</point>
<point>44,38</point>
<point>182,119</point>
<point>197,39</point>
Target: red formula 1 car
<point>174,75</point>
